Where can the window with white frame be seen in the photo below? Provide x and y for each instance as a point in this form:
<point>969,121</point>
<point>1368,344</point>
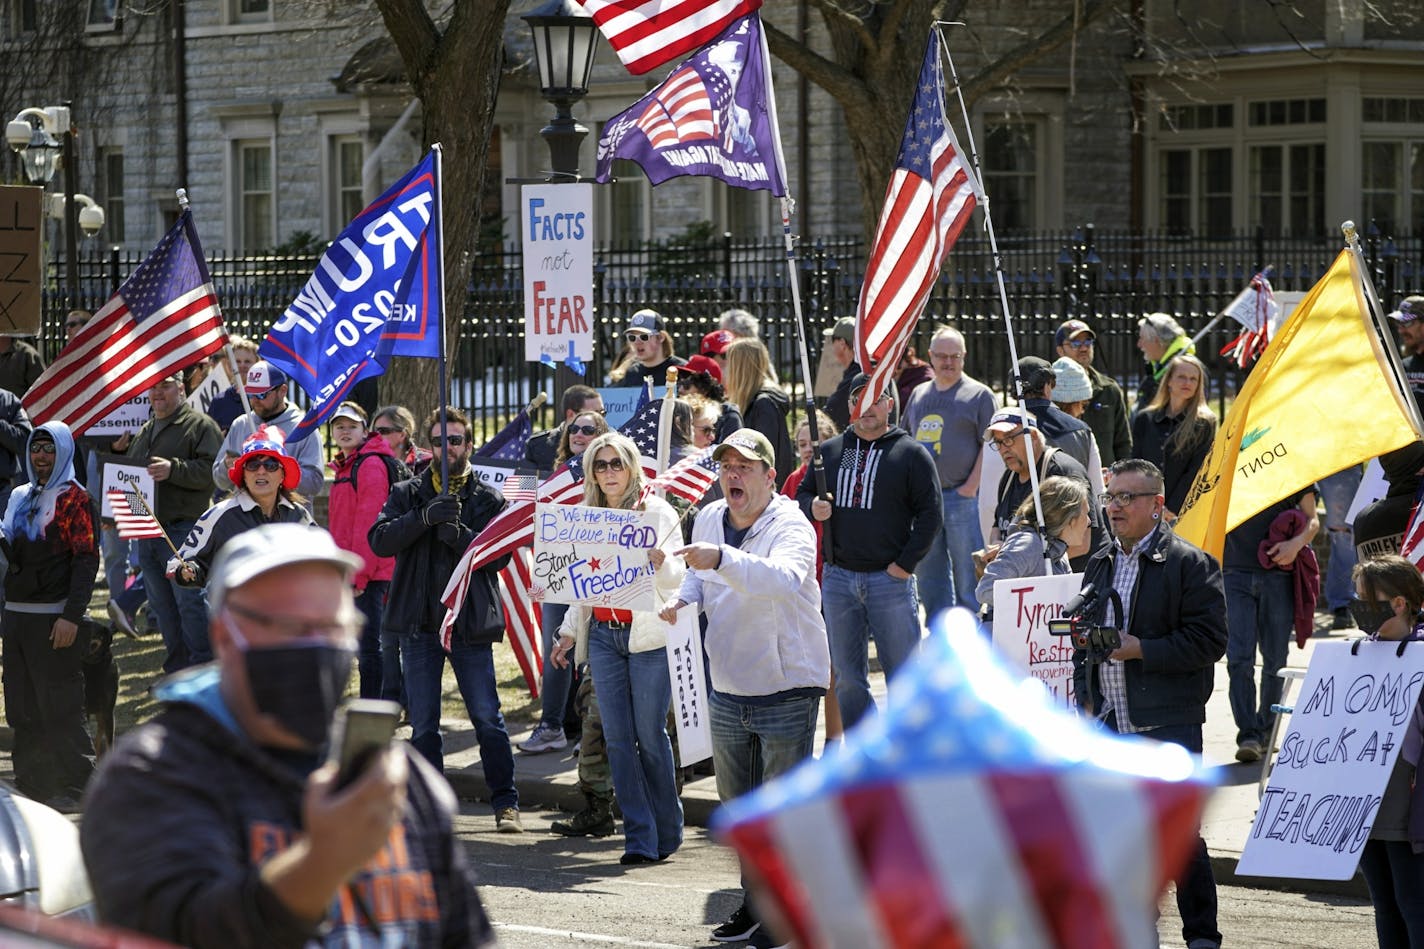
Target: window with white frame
<point>256,198</point>
<point>1287,188</point>
<point>112,160</point>
<point>1011,155</point>
<point>1195,190</point>
<point>103,15</point>
<point>21,17</point>
<point>248,11</point>
<point>743,212</point>
<point>348,154</point>
<point>1392,164</point>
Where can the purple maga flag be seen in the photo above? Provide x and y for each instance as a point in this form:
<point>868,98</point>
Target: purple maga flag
<point>714,115</point>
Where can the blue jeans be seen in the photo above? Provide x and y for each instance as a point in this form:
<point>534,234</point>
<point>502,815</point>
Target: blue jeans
<point>556,683</point>
<point>1395,876</point>
<point>751,744</point>
<point>423,662</point>
<point>634,694</point>
<point>1260,610</point>
<point>945,577</point>
<point>369,664</point>
<point>1337,491</point>
<point>116,560</point>
<point>858,606</point>
<point>392,679</point>
<point>182,611</point>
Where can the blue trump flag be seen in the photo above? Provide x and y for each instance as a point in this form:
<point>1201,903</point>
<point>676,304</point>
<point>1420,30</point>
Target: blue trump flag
<point>376,293</point>
<point>714,115</point>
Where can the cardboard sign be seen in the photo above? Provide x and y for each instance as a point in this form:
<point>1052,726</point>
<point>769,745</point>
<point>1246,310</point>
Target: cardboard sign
<point>558,271</point>
<point>593,555</point>
<point>128,417</point>
<point>210,388</point>
<point>21,267</point>
<point>492,471</point>
<point>689,688</point>
<point>123,474</point>
<point>620,401</point>
<point>1334,762</point>
<point>1022,608</point>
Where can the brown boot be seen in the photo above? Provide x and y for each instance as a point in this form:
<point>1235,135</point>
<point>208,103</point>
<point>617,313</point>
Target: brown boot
<point>595,820</point>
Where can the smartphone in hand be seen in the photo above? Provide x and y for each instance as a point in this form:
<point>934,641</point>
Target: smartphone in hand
<point>361,729</point>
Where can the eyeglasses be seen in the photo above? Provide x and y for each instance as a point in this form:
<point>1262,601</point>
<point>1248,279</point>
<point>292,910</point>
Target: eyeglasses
<point>947,357</point>
<point>454,441</point>
<point>262,464</point>
<point>637,337</point>
<point>705,429</point>
<point>1001,443</point>
<point>608,464</point>
<point>387,430</point>
<point>42,448</point>
<point>583,429</point>
<point>295,632</point>
<point>262,395</point>
<point>1124,498</point>
<point>1080,343</point>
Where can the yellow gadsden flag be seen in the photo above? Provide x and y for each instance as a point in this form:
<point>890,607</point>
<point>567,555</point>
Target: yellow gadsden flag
<point>1324,396</point>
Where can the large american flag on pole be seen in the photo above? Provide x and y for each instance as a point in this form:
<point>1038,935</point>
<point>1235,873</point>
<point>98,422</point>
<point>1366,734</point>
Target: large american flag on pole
<point>931,195</point>
<point>648,33</point>
<point>164,319</point>
<point>971,812</point>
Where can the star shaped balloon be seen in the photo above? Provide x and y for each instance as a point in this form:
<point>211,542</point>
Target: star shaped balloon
<point>970,812</point>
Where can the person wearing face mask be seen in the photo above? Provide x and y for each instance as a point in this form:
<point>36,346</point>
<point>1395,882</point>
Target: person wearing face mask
<point>244,838</point>
<point>50,532</point>
<point>1389,592</point>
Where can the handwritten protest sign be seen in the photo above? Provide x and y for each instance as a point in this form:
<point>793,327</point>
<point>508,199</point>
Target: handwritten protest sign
<point>689,688</point>
<point>493,471</point>
<point>1334,762</point>
<point>558,271</point>
<point>1022,609</point>
<point>122,474</point>
<point>128,417</point>
<point>619,402</point>
<point>593,555</point>
<point>210,388</point>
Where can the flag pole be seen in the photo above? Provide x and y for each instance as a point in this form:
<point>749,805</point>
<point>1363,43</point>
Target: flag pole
<point>1377,318</point>
<point>998,278</point>
<point>440,229</point>
<point>183,205</point>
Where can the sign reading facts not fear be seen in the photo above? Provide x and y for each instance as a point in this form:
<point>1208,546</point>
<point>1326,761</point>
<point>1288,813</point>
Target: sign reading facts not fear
<point>596,556</point>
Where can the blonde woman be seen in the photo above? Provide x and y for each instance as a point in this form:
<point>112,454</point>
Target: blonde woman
<point>627,656</point>
<point>762,402</point>
<point>1176,429</point>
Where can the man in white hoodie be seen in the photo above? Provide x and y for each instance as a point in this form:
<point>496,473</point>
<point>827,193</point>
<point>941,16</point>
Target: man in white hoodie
<point>752,570</point>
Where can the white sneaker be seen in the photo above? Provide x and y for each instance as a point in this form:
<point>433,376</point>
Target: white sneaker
<point>544,739</point>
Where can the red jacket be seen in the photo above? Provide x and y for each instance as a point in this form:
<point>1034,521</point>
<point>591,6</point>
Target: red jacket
<point>1305,571</point>
<point>351,514</point>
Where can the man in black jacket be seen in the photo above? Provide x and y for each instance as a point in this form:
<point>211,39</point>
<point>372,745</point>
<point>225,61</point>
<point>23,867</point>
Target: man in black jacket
<point>1158,681</point>
<point>427,529</point>
<point>885,512</point>
<point>213,826</point>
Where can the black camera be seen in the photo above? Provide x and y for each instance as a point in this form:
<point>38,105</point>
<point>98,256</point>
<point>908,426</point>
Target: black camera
<point>1098,642</point>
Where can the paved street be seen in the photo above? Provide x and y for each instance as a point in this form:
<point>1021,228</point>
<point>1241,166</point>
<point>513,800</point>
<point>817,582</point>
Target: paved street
<point>548,892</point>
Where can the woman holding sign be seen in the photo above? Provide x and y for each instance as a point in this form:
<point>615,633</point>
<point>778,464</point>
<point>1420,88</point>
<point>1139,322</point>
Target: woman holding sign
<point>1067,524</point>
<point>627,656</point>
<point>1389,593</point>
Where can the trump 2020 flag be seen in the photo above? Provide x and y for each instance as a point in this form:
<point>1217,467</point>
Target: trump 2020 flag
<point>970,812</point>
<point>929,199</point>
<point>376,293</point>
<point>714,115</point>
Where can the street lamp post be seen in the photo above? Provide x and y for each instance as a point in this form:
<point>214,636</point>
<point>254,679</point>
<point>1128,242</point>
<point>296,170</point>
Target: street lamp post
<point>564,36</point>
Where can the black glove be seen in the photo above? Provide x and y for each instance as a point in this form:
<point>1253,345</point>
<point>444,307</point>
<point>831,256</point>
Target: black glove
<point>444,509</point>
<point>448,533</point>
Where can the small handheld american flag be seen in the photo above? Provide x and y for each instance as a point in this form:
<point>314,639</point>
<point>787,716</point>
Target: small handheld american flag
<point>132,516</point>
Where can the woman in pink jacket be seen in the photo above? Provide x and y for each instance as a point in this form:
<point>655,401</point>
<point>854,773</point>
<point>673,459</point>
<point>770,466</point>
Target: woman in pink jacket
<point>364,466</point>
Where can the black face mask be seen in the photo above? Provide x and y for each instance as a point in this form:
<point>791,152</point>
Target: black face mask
<point>299,686</point>
<point>1370,615</point>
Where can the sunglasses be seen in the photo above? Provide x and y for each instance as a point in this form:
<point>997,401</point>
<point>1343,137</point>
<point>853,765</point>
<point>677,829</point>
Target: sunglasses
<point>387,430</point>
<point>609,464</point>
<point>637,337</point>
<point>262,464</point>
<point>454,441</point>
<point>42,448</point>
<point>1080,343</point>
<point>583,429</point>
<point>262,395</point>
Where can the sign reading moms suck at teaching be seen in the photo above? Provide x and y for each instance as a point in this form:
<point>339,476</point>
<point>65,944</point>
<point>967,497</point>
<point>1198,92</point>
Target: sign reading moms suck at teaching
<point>597,556</point>
<point>1335,758</point>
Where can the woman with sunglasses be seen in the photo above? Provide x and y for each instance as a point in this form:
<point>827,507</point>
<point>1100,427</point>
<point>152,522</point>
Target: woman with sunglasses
<point>627,656</point>
<point>264,479</point>
<point>394,423</point>
<point>576,435</point>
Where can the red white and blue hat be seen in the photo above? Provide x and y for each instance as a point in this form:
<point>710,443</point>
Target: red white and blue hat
<point>268,441</point>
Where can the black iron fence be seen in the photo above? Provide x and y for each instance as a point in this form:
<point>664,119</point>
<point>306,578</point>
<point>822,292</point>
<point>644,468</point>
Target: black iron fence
<point>1109,278</point>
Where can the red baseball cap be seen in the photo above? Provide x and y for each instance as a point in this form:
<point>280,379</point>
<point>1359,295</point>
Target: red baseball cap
<point>707,364</point>
<point>716,342</point>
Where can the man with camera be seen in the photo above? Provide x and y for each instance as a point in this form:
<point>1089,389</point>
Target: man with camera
<point>1157,682</point>
<point>217,824</point>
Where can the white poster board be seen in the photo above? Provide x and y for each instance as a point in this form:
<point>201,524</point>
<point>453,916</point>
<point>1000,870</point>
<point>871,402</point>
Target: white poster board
<point>493,471</point>
<point>1336,755</point>
<point>128,417</point>
<point>1022,608</point>
<point>216,383</point>
<point>689,688</point>
<point>122,474</point>
<point>597,556</point>
<point>620,401</point>
<point>558,270</point>
<point>1372,487</point>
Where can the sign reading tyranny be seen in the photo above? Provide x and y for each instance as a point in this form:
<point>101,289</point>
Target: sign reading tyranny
<point>1022,608</point>
<point>593,555</point>
<point>1335,760</point>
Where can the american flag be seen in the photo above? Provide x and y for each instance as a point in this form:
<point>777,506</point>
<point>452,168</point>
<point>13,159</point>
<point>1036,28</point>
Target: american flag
<point>689,479</point>
<point>856,848</point>
<point>648,33</point>
<point>521,617</point>
<point>163,319</point>
<point>508,443</point>
<point>1411,545</point>
<point>929,200</point>
<point>132,517</point>
<point>684,108</point>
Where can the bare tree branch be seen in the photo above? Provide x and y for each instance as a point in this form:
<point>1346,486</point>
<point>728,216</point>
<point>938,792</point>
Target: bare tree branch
<point>834,13</point>
<point>416,37</point>
<point>831,76</point>
<point>1034,48</point>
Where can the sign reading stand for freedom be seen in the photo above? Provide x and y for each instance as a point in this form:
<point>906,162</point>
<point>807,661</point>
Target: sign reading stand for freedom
<point>597,556</point>
<point>1335,760</point>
